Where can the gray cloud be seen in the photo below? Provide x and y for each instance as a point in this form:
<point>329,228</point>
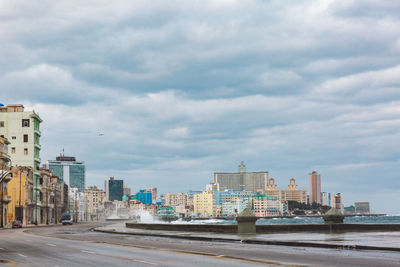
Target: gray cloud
<point>183,89</point>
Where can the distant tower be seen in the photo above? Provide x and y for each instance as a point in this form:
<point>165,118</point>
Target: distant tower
<point>242,167</point>
<point>271,184</point>
<point>315,187</point>
<point>292,185</point>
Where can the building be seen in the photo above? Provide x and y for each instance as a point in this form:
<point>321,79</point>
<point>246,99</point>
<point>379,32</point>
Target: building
<point>242,180</point>
<point>20,189</point>
<point>204,204</point>
<point>153,192</point>
<point>114,189</point>
<point>166,213</point>
<point>266,206</point>
<point>361,208</point>
<point>326,199</point>
<point>293,193</point>
<point>230,195</point>
<point>127,190</point>
<point>144,197</point>
<point>68,170</point>
<point>337,202</point>
<point>22,129</point>
<point>76,204</point>
<point>234,207</point>
<point>5,178</point>
<point>94,198</point>
<point>315,187</point>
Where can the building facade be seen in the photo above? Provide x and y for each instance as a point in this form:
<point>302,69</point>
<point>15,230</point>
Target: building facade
<point>69,170</point>
<point>293,193</point>
<point>204,204</point>
<point>315,187</point>
<point>5,178</point>
<point>337,202</point>
<point>114,189</point>
<point>94,198</point>
<point>266,206</point>
<point>242,180</point>
<point>361,208</point>
<point>326,199</point>
<point>22,129</point>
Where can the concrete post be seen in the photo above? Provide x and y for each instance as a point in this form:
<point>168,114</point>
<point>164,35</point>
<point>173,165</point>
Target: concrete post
<point>333,216</point>
<point>246,223</point>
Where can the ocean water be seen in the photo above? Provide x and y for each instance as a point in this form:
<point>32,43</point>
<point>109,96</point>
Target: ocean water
<point>319,220</point>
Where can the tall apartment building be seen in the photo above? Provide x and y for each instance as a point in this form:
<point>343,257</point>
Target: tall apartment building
<point>242,180</point>
<point>153,192</point>
<point>114,189</point>
<point>326,199</point>
<point>69,171</point>
<point>315,187</point>
<point>337,202</point>
<point>204,204</point>
<point>22,129</point>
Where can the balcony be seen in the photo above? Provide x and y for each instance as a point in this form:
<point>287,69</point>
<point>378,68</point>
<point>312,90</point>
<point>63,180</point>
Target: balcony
<point>37,159</point>
<point>38,146</point>
<point>6,199</point>
<point>38,132</point>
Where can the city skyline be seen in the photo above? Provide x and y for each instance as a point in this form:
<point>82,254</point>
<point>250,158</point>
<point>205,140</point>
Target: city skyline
<point>165,94</point>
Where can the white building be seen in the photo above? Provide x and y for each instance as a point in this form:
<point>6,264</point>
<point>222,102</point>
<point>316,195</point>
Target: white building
<point>265,206</point>
<point>234,207</point>
<point>326,199</point>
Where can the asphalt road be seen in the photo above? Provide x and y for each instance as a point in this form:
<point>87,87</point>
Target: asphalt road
<point>78,246</point>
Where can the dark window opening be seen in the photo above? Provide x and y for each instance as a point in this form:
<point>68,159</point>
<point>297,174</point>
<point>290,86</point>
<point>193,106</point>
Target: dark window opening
<point>25,122</point>
<point>25,138</point>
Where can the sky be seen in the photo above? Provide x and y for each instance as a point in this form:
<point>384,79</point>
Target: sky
<point>183,89</point>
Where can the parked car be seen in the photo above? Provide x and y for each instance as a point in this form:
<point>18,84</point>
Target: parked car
<point>17,224</point>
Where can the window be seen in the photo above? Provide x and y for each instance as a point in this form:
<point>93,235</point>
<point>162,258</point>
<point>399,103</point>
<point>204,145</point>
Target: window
<point>1,123</point>
<point>25,138</point>
<point>13,150</point>
<point>25,123</point>
<point>13,137</point>
<point>25,151</point>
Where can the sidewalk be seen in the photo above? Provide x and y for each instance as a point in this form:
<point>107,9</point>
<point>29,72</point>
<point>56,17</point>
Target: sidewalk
<point>271,239</point>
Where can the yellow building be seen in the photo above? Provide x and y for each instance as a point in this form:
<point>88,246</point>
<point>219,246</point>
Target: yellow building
<point>205,204</point>
<point>5,177</point>
<point>293,193</point>
<point>20,190</point>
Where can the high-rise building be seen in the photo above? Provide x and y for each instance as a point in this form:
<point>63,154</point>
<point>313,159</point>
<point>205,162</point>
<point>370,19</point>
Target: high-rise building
<point>337,202</point>
<point>68,170</point>
<point>22,129</point>
<point>315,187</point>
<point>153,192</point>
<point>114,189</point>
<point>326,199</point>
<point>242,180</point>
<point>144,196</point>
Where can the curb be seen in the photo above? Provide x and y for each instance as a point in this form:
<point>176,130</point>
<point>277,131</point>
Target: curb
<point>258,242</point>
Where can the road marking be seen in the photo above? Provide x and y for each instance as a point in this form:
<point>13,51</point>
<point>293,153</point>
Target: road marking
<point>220,256</point>
<point>90,252</point>
<point>145,262</point>
<point>22,255</point>
<point>52,245</point>
<point>1,248</point>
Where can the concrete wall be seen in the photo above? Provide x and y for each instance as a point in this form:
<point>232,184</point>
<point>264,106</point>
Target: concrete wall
<point>223,228</point>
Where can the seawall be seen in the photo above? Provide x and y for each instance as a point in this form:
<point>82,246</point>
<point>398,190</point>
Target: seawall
<point>223,228</point>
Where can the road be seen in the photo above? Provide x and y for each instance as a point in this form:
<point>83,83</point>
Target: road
<point>78,246</point>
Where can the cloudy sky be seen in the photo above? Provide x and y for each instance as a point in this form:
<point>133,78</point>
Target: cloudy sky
<point>181,89</point>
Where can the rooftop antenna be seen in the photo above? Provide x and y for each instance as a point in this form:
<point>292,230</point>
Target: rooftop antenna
<point>62,152</point>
